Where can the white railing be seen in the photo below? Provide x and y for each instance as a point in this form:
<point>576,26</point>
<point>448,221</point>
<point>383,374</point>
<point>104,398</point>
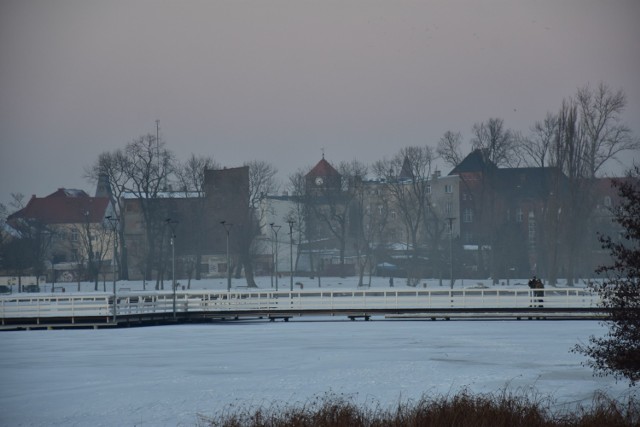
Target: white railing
<point>68,306</point>
<point>132,303</point>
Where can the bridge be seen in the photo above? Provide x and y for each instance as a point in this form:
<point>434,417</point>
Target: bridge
<point>95,309</point>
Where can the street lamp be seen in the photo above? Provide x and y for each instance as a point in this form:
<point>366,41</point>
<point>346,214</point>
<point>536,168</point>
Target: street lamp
<point>291,222</point>
<point>275,229</point>
<point>450,219</point>
<point>227,227</point>
<point>114,222</point>
<point>172,225</point>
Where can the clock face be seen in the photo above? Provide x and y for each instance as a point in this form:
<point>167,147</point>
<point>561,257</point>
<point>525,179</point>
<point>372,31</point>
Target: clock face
<point>319,181</point>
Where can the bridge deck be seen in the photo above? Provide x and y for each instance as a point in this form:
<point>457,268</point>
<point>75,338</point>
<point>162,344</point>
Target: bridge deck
<point>157,307</point>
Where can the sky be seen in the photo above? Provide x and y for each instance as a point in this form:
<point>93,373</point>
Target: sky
<point>285,80</point>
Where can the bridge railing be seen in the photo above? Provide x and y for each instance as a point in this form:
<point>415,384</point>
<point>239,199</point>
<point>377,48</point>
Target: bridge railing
<point>69,306</point>
<point>132,303</point>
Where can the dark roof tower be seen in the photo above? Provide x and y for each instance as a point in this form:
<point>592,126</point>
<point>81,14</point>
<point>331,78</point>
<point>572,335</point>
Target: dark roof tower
<point>476,161</point>
<point>103,189</point>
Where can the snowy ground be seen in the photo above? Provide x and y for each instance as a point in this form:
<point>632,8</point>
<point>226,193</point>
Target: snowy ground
<point>284,284</point>
<point>166,376</point>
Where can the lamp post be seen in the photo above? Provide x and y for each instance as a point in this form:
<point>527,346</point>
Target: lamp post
<point>450,219</point>
<point>172,225</point>
<point>291,222</point>
<point>227,227</point>
<point>114,222</point>
<point>275,229</point>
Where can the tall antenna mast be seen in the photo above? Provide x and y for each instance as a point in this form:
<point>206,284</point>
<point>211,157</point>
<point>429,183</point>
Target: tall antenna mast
<point>158,142</point>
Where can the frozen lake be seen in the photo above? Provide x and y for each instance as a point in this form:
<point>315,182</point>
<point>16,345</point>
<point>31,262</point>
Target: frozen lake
<point>166,376</point>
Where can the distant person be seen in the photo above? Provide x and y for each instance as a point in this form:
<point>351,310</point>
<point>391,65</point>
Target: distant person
<point>391,281</point>
<point>536,284</point>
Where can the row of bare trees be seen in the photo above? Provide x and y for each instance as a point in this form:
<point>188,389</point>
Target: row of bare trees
<point>147,171</point>
<point>585,134</point>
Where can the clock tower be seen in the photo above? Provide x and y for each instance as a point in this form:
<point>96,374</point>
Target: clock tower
<point>322,177</point>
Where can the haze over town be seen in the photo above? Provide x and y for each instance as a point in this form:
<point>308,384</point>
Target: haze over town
<point>280,81</point>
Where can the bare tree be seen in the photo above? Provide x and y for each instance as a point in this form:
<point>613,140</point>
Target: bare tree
<point>537,146</point>
<point>589,133</point>
<point>261,183</point>
<point>190,179</point>
<point>113,167</point>
<point>299,212</point>
<point>354,196</point>
<point>149,166</point>
<point>94,242</point>
<point>330,204</point>
<point>497,143</point>
<point>605,135</point>
<point>450,148</point>
<point>31,249</point>
<point>406,180</point>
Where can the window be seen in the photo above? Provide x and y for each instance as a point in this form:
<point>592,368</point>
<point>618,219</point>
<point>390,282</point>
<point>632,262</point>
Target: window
<point>532,230</point>
<point>468,237</point>
<point>428,188</point>
<point>607,201</point>
<point>519,215</point>
<point>448,208</point>
<point>448,188</point>
<point>393,215</point>
<point>467,215</point>
<point>74,235</point>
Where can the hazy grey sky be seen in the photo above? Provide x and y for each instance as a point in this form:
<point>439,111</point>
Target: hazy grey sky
<point>280,80</point>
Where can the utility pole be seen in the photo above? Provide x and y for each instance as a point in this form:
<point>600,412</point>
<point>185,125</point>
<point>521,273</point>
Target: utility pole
<point>172,225</point>
<point>114,221</point>
<point>291,222</point>
<point>450,219</point>
<point>275,229</point>
<point>227,227</point>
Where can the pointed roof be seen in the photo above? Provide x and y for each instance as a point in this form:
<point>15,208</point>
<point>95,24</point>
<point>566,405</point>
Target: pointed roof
<point>406,172</point>
<point>65,206</point>
<point>324,169</point>
<point>476,161</point>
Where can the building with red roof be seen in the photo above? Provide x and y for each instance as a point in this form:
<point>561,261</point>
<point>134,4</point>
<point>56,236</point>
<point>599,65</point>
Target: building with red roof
<point>71,234</point>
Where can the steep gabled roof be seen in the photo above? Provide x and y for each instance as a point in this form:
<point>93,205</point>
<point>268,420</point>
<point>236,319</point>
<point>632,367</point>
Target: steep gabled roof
<point>324,169</point>
<point>406,172</point>
<point>476,161</point>
<point>65,206</point>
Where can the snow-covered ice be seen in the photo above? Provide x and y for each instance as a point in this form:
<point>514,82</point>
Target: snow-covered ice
<point>167,375</point>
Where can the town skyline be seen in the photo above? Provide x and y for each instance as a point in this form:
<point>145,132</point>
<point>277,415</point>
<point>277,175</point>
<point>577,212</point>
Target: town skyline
<point>284,82</point>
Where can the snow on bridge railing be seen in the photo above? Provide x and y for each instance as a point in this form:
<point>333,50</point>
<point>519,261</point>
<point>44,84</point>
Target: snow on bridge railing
<point>70,305</point>
<point>132,303</point>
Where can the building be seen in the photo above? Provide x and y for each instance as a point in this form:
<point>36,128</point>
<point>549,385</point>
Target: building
<point>70,236</point>
<point>511,216</point>
<point>195,221</point>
